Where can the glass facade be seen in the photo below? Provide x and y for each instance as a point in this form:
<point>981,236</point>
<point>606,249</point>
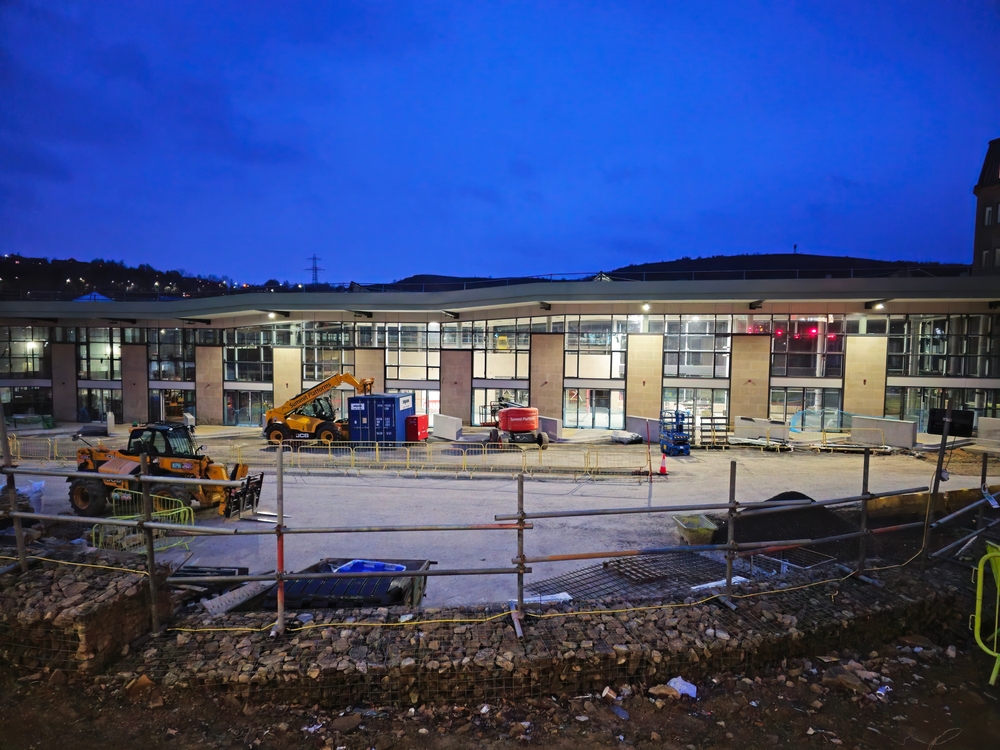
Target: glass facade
<point>170,405</point>
<point>484,398</point>
<point>805,346</point>
<point>596,347</point>
<point>246,408</point>
<point>424,402</point>
<point>944,346</point>
<point>26,400</point>
<point>696,346</point>
<point>98,353</point>
<point>24,352</point>
<point>598,409</point>
<point>501,349</point>
<point>94,404</point>
<point>808,409</point>
<point>700,402</point>
<point>914,404</point>
<point>327,349</point>
<point>413,351</point>
<point>171,353</point>
<point>248,354</point>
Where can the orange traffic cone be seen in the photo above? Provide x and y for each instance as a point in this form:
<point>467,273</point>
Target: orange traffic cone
<point>663,464</point>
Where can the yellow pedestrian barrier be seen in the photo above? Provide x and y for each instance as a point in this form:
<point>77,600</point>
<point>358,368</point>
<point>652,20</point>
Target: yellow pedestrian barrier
<point>992,557</point>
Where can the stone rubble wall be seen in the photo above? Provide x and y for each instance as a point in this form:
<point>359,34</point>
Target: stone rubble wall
<point>340,662</point>
<point>73,618</point>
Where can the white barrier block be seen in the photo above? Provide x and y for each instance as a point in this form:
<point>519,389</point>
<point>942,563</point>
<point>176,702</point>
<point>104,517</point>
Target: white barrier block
<point>755,428</point>
<point>989,428</point>
<point>551,427</point>
<point>449,428</point>
<point>878,431</point>
<point>638,425</point>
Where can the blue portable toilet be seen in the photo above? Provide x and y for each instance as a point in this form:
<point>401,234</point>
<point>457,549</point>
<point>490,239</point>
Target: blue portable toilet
<point>379,417</point>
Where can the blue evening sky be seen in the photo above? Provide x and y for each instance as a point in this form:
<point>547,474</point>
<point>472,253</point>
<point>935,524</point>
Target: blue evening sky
<point>490,138</point>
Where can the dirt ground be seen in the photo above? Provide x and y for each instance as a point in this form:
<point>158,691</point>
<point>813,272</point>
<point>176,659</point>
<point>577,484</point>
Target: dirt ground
<point>934,701</point>
<point>964,463</point>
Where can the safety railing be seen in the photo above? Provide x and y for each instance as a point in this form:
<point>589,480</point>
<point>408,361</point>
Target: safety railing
<point>125,533</point>
<point>457,458</point>
<point>149,524</point>
<point>126,539</point>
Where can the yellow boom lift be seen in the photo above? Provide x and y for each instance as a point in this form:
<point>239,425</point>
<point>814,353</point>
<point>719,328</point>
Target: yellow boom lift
<point>310,415</point>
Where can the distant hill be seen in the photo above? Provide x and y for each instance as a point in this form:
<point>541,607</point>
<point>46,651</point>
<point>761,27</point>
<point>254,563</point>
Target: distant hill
<point>770,262</point>
<point>40,278</point>
<point>74,277</point>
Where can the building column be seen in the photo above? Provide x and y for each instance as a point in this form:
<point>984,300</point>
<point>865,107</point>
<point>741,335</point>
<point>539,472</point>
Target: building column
<point>64,400</point>
<point>287,370</point>
<point>208,384</point>
<point>864,375</point>
<point>644,375</point>
<point>750,378</point>
<point>545,374</point>
<point>370,363</point>
<point>456,384</point>
<point>135,383</point>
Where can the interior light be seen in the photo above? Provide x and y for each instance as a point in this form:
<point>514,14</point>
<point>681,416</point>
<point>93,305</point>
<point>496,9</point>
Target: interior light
<point>813,331</point>
<point>779,333</point>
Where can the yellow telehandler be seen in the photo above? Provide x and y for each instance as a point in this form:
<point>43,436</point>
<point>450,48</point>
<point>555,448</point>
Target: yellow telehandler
<point>310,415</point>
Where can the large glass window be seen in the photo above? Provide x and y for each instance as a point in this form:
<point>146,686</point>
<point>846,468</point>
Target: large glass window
<point>699,402</point>
<point>696,346</point>
<point>808,346</point>
<point>171,354</point>
<point>501,349</point>
<point>94,404</point>
<point>424,402</point>
<point>596,346</point>
<point>99,353</point>
<point>26,400</point>
<point>24,352</point>
<point>486,400</point>
<point>808,409</point>
<point>413,351</point>
<point>248,353</point>
<point>594,408</point>
<point>944,346</point>
<point>170,405</point>
<point>914,404</point>
<point>246,408</point>
<point>327,349</point>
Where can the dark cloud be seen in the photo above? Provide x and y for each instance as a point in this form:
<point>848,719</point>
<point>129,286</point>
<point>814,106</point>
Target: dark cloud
<point>36,106</point>
<point>208,120</point>
<point>25,159</point>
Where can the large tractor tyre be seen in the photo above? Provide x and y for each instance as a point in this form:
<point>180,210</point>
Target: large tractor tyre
<point>277,434</point>
<point>328,433</point>
<point>89,497</point>
<point>172,491</point>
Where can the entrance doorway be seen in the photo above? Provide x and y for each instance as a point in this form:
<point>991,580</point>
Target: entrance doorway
<point>170,404</point>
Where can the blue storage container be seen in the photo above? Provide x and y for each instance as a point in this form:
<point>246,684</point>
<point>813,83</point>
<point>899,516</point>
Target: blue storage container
<point>379,417</point>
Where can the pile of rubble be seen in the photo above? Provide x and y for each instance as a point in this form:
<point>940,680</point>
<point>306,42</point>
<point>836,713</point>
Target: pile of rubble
<point>375,655</point>
<point>71,617</point>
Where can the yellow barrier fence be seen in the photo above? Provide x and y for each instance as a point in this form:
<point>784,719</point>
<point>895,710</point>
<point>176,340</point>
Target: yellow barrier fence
<point>127,539</point>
